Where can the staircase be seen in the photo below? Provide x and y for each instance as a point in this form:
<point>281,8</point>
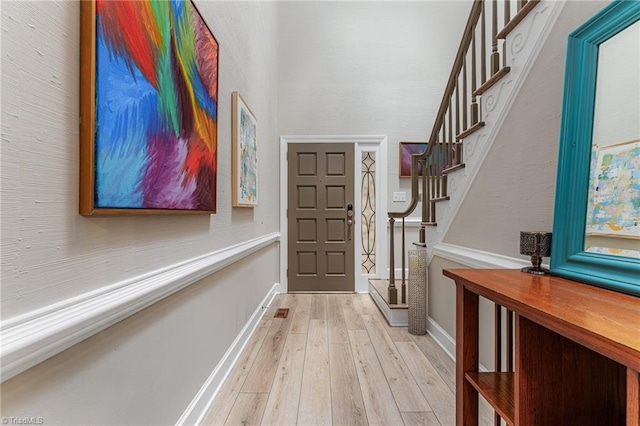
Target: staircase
<point>499,44</point>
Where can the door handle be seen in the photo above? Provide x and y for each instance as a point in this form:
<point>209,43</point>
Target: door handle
<point>349,220</point>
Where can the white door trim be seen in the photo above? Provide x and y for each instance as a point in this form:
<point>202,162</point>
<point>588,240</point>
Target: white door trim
<point>366,143</point>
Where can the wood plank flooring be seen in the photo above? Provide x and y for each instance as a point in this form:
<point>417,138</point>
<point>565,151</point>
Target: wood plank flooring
<point>335,360</point>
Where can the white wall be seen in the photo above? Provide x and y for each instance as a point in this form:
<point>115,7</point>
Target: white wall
<point>515,188</point>
<point>160,357</point>
<point>367,68</point>
<point>50,252</point>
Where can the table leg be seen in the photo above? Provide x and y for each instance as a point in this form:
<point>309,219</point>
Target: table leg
<point>633,397</point>
<point>466,355</point>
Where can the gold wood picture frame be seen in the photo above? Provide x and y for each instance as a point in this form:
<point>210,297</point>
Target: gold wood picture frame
<point>244,153</point>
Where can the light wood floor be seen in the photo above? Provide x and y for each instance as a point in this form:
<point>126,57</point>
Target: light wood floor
<point>334,360</point>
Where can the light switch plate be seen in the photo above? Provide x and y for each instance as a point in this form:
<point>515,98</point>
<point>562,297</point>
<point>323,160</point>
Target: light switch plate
<point>399,197</point>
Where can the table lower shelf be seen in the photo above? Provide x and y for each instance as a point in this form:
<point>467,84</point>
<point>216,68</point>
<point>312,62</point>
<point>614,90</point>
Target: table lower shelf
<point>498,389</point>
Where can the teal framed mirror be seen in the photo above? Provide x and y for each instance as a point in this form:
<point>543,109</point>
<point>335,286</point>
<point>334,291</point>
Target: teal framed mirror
<point>596,229</point>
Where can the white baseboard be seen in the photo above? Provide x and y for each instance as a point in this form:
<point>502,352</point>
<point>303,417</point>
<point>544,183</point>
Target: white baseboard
<point>199,406</point>
<point>31,338</point>
<point>472,258</point>
<point>277,288</point>
<point>446,342</point>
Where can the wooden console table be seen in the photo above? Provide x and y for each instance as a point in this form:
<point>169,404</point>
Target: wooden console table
<point>577,351</point>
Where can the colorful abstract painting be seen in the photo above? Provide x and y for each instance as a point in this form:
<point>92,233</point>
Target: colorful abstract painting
<point>245,154</point>
<point>156,97</point>
<point>614,191</point>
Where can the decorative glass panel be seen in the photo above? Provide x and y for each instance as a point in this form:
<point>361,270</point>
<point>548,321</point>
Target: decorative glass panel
<point>368,212</point>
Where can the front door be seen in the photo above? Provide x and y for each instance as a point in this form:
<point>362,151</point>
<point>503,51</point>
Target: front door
<point>320,217</point>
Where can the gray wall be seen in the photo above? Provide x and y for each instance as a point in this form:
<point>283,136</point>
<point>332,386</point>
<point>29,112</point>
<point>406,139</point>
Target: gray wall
<point>146,369</point>
<point>515,188</point>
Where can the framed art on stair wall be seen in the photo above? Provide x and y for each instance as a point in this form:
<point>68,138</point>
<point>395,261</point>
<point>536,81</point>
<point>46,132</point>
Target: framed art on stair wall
<point>407,149</point>
<point>440,152</point>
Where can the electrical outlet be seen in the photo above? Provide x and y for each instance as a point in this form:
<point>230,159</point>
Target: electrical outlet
<point>399,197</point>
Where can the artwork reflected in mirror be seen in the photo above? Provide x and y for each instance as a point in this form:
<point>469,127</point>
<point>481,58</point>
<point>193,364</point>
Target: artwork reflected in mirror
<point>613,209</point>
<point>407,149</point>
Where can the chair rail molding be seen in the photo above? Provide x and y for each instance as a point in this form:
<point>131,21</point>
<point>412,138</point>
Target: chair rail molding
<point>478,259</point>
<point>31,338</point>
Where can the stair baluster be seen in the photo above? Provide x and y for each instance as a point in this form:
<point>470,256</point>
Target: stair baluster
<point>497,349</point>
<point>404,284</point>
<point>495,56</point>
<point>393,291</point>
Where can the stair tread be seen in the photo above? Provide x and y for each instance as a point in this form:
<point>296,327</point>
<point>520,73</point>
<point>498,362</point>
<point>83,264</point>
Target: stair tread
<point>453,168</point>
<point>493,80</point>
<point>479,125</point>
<point>517,18</point>
<point>380,286</point>
<point>445,198</point>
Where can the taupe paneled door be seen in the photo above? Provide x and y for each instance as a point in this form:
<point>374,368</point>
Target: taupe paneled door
<point>320,217</point>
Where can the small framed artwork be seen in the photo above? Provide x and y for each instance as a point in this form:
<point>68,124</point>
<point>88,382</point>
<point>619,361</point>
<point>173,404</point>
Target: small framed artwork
<point>148,107</point>
<point>407,149</point>
<point>244,153</point>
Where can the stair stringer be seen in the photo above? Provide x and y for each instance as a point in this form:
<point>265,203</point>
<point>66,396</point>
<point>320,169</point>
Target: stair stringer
<point>524,44</point>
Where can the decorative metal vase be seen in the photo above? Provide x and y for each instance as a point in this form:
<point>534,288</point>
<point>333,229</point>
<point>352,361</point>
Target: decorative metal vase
<point>537,245</point>
<point>418,291</point>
